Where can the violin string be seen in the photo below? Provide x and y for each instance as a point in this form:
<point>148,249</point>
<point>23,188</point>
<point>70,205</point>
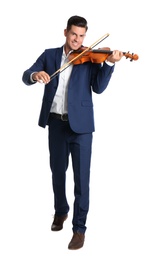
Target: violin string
<point>66,65</point>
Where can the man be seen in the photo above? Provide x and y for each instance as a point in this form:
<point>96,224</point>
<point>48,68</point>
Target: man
<point>67,109</point>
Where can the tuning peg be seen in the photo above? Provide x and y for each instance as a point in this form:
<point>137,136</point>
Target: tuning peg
<point>132,57</point>
<point>127,56</point>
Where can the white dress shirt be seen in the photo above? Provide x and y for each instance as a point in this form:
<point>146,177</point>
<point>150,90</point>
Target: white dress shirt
<point>59,105</point>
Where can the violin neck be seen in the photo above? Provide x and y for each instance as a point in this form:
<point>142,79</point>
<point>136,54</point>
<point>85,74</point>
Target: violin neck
<point>102,51</point>
<point>98,51</point>
<point>95,51</point>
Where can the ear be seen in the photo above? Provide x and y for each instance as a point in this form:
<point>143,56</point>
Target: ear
<point>65,32</point>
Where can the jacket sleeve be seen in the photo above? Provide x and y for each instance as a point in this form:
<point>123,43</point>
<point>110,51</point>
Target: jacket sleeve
<point>101,78</point>
<point>37,66</point>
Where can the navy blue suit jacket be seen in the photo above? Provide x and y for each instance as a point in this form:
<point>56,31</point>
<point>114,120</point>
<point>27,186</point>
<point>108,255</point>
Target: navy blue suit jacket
<point>85,79</point>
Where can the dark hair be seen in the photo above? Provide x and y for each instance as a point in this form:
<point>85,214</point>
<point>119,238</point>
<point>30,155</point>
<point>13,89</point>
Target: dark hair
<point>77,21</point>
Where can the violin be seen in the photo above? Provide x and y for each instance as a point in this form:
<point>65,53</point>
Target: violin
<point>96,56</point>
<point>86,54</point>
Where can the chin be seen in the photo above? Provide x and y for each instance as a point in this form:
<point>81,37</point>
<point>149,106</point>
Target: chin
<point>76,48</point>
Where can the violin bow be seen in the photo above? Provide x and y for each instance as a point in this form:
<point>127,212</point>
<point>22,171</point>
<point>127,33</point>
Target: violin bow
<point>66,65</point>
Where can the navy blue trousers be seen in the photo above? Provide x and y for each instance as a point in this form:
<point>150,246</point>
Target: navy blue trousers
<point>62,143</point>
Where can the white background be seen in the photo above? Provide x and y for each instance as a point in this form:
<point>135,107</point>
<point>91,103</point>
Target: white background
<point>124,147</point>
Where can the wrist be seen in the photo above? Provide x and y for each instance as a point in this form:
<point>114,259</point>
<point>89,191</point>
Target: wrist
<point>109,63</point>
<point>32,77</point>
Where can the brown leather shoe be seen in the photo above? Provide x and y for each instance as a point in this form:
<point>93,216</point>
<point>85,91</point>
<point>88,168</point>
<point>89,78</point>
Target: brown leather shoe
<point>58,222</point>
<point>77,241</point>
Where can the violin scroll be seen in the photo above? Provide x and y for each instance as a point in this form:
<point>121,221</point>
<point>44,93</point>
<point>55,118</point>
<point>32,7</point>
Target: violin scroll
<point>131,56</point>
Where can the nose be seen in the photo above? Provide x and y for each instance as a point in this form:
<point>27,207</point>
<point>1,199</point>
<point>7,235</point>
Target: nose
<point>77,38</point>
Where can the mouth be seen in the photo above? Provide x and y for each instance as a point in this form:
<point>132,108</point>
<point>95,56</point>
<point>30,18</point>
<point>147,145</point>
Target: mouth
<point>75,45</point>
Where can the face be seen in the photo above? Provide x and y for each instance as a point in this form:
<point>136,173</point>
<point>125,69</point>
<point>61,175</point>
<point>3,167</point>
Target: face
<point>74,38</point>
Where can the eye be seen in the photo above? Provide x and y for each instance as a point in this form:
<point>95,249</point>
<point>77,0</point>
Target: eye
<point>82,36</point>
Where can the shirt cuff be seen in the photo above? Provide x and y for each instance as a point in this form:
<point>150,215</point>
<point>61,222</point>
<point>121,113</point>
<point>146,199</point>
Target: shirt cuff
<point>109,63</point>
<point>31,78</point>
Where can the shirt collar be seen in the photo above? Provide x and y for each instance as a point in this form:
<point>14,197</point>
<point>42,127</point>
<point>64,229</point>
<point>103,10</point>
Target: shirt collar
<point>64,54</point>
